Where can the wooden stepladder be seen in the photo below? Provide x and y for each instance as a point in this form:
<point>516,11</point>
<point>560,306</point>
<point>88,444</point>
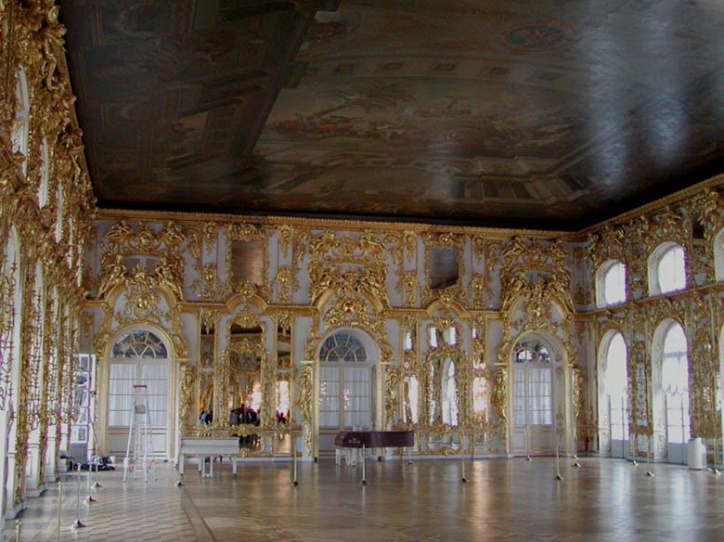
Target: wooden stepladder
<point>139,451</point>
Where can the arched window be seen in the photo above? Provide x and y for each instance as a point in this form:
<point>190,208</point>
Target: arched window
<point>45,174</point>
<point>344,383</point>
<point>139,344</point>
<point>10,318</point>
<point>675,385</point>
<point>719,255</point>
<point>138,357</point>
<point>60,203</point>
<point>611,283</point>
<point>667,269</point>
<point>21,127</point>
<point>614,398</point>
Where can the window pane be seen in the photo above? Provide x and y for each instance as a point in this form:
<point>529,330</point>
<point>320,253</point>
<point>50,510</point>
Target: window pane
<point>616,379</point>
<point>670,270</point>
<point>614,284</point>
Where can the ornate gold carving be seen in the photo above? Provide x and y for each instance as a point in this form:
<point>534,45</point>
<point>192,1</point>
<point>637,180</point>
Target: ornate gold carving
<point>210,231</point>
<point>169,273</point>
<point>207,318</point>
<point>209,286</point>
<point>123,241</point>
<point>481,291</point>
<point>579,398</point>
<point>186,401</point>
<point>305,403</point>
<point>499,402</point>
<point>286,283</point>
<point>7,325</point>
<point>408,287</point>
<point>143,298</point>
<point>286,234</point>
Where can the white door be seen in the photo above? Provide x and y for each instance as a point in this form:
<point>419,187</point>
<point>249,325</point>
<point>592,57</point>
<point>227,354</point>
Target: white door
<point>345,388</point>
<point>139,358</point>
<point>533,420</point>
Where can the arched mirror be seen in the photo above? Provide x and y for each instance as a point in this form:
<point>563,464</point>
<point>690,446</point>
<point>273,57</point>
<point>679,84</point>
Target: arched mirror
<point>241,387</point>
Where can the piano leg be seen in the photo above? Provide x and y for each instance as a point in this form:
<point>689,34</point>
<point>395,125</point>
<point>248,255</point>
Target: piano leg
<point>364,474</point>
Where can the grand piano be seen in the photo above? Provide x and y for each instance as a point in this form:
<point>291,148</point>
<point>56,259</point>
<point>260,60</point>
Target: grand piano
<point>375,439</point>
<point>348,441</point>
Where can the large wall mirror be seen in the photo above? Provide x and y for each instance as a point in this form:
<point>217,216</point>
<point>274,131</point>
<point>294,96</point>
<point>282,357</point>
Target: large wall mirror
<point>283,385</point>
<point>444,263</point>
<point>444,388</point>
<point>240,384</point>
<point>246,258</point>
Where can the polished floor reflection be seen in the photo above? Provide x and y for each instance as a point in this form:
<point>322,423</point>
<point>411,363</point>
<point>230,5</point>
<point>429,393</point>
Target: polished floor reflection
<point>426,501</point>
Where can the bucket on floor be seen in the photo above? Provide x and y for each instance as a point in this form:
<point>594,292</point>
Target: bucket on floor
<point>697,454</point>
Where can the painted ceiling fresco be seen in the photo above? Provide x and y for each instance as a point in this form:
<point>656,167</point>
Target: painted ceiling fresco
<point>530,113</point>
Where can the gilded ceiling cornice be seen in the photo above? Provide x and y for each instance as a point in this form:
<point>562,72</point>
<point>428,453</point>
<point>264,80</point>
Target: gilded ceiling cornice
<point>324,223</point>
<point>714,182</point>
<point>419,227</point>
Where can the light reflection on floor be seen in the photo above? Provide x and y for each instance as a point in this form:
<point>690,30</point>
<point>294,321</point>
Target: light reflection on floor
<point>426,501</point>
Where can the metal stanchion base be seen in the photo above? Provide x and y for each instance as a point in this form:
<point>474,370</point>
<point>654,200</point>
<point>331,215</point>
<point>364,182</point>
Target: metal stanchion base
<point>528,458</point>
<point>634,463</point>
<point>96,485</point>
<point>78,524</point>
<point>649,474</point>
<point>179,483</point>
<point>464,480</point>
<point>716,472</point>
<point>89,500</point>
<point>559,477</point>
<point>295,483</point>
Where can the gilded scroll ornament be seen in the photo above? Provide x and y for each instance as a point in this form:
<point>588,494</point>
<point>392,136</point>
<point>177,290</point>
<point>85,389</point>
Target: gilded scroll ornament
<point>305,403</point>
<point>7,324</point>
<point>407,286</point>
<point>286,235</point>
<point>171,235</point>
<point>499,400</point>
<point>286,283</point>
<point>186,400</point>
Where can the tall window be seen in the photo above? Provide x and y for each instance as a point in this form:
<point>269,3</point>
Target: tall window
<point>667,269</point>
<point>615,388</point>
<point>532,386</point>
<point>45,173</point>
<point>611,283</point>
<point>21,127</point>
<point>138,358</point>
<point>719,255</point>
<point>675,384</point>
<point>344,383</point>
